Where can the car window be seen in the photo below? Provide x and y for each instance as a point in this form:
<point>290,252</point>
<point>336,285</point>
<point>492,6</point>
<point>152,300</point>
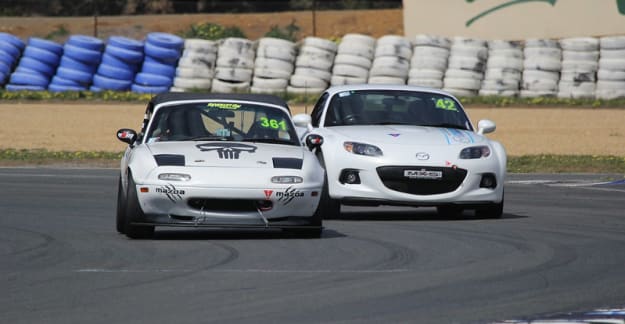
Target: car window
<point>222,121</point>
<point>381,107</point>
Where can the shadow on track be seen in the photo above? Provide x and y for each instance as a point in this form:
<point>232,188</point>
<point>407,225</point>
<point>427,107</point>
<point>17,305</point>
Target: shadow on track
<point>233,234</point>
<point>411,214</point>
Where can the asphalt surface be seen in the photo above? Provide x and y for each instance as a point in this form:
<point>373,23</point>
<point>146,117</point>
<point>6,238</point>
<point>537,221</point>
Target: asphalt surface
<point>560,247</point>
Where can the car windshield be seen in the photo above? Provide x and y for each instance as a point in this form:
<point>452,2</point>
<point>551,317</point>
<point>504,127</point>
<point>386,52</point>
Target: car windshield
<point>222,121</point>
<point>391,107</point>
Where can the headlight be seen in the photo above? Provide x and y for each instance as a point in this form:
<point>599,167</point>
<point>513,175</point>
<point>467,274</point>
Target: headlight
<point>286,179</point>
<point>362,149</point>
<point>174,177</point>
<point>475,152</point>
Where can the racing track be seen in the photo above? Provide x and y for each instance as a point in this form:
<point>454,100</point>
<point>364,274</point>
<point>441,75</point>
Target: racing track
<point>559,247</point>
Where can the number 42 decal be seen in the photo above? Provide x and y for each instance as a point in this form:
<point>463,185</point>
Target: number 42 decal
<point>446,104</point>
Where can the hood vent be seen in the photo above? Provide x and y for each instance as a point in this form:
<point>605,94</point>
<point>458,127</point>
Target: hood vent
<point>287,163</point>
<point>169,160</point>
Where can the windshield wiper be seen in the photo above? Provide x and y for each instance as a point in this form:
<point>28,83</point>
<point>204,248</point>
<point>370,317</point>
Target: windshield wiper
<point>268,140</point>
<point>445,125</point>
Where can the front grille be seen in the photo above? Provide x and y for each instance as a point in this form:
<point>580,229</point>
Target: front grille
<point>224,205</point>
<point>394,179</point>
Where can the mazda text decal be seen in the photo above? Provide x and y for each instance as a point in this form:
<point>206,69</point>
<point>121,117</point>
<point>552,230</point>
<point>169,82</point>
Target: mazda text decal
<point>172,193</point>
<point>230,151</point>
<point>287,196</point>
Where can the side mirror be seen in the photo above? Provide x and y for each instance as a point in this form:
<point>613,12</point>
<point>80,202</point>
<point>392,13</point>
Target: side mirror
<point>302,120</point>
<point>314,141</point>
<point>486,126</point>
<point>126,135</point>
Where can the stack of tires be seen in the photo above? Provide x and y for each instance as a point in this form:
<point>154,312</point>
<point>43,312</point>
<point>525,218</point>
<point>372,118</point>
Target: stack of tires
<point>354,59</point>
<point>391,62</point>
<point>541,68</point>
<point>467,61</point>
<point>120,62</point>
<point>313,66</point>
<point>503,69</point>
<point>162,51</point>
<point>429,61</point>
<point>579,67</point>
<point>81,58</point>
<point>235,65</point>
<point>11,48</point>
<point>273,66</point>
<point>611,74</point>
<point>196,67</point>
<point>37,65</point>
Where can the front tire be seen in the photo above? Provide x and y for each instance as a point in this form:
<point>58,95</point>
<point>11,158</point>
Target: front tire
<point>492,211</point>
<point>121,208</point>
<point>134,211</point>
<point>331,207</point>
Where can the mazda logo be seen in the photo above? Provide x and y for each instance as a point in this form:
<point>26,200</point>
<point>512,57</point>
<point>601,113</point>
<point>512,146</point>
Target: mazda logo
<point>423,156</point>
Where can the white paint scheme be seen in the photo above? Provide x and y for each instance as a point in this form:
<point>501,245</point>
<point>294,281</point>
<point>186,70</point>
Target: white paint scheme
<point>401,151</point>
<point>248,177</point>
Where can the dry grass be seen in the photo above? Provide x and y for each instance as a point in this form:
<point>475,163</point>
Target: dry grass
<point>92,127</point>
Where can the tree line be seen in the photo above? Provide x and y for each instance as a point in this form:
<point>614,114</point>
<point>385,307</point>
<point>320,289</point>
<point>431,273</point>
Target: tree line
<point>138,7</point>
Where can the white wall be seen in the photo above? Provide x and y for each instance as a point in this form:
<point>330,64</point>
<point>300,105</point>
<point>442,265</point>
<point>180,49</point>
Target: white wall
<point>529,19</point>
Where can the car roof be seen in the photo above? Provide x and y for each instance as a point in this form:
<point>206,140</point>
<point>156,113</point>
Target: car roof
<point>182,96</point>
<point>336,89</point>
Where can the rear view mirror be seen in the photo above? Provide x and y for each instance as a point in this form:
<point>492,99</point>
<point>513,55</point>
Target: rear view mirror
<point>485,126</point>
<point>302,120</point>
<point>126,135</point>
<point>314,141</point>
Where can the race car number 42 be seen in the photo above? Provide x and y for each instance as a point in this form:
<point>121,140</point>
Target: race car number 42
<point>423,174</point>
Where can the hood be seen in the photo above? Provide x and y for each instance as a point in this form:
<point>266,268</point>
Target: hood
<point>407,135</point>
<point>230,154</point>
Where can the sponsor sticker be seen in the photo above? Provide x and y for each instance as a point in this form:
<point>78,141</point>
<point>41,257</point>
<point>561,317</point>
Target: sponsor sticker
<point>286,196</point>
<point>223,105</point>
<point>174,194</point>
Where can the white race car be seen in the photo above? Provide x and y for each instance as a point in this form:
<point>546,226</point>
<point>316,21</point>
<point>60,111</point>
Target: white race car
<point>218,160</point>
<point>404,145</point>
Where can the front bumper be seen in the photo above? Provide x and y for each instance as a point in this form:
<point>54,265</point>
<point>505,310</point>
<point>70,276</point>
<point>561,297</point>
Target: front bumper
<point>167,204</point>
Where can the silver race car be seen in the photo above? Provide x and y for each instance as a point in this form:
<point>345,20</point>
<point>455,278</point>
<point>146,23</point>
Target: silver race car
<point>403,145</point>
<point>219,160</point>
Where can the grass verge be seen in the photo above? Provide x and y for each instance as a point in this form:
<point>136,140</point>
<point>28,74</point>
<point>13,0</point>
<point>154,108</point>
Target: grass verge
<point>311,98</point>
<point>516,164</point>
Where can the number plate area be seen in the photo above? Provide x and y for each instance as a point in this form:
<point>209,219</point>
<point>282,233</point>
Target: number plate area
<point>423,174</point>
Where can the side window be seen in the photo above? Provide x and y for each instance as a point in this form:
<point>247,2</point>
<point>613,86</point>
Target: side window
<point>318,110</point>
<point>146,119</point>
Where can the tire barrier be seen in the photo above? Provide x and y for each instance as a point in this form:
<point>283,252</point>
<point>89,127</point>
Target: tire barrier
<point>196,67</point>
<point>579,67</point>
<point>611,69</point>
<point>429,61</point>
<point>274,54</point>
<point>503,69</point>
<point>81,57</point>
<point>235,65</point>
<point>391,62</point>
<point>120,62</point>
<point>37,65</point>
<point>541,68</point>
<point>354,59</point>
<point>313,66</point>
<point>162,52</point>
<point>466,55</point>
